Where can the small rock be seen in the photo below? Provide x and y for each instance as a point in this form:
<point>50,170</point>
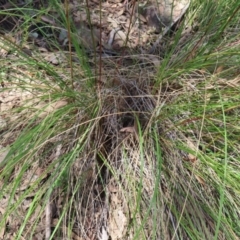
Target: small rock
<point>150,13</point>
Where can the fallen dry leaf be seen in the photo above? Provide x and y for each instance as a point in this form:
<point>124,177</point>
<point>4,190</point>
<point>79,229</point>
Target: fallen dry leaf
<point>200,180</point>
<point>117,224</point>
<point>192,158</point>
<point>50,108</point>
<point>55,58</point>
<point>119,40</point>
<point>128,130</point>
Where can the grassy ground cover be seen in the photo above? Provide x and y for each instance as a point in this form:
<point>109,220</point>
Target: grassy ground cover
<point>134,146</point>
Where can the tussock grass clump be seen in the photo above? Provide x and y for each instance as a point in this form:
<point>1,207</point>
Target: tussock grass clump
<point>125,147</point>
